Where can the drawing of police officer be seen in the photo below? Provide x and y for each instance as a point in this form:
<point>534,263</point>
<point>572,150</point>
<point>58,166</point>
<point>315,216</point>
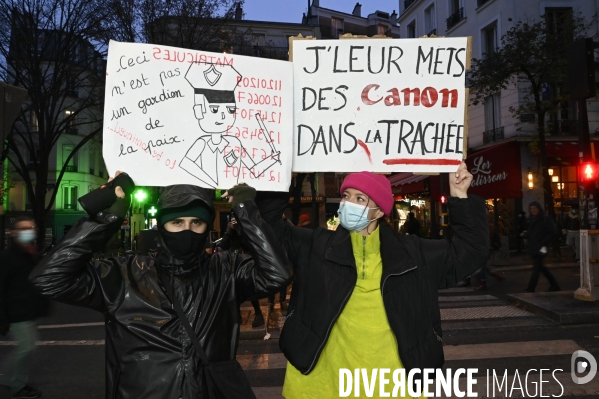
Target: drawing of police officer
<point>215,109</point>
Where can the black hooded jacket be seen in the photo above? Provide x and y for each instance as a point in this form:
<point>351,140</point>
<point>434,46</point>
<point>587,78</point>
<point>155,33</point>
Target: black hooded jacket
<point>413,270</point>
<point>541,230</point>
<point>148,353</point>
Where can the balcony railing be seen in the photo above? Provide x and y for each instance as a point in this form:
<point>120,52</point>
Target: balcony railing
<point>564,127</point>
<point>481,2</point>
<point>71,168</point>
<point>455,18</point>
<point>328,32</point>
<point>433,32</point>
<point>408,3</point>
<point>493,135</point>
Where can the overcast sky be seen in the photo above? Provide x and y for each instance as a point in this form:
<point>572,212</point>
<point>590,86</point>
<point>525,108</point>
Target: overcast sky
<point>292,10</point>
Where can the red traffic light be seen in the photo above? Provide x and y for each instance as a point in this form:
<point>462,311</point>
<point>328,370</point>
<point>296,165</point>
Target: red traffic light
<point>588,171</point>
<point>443,199</point>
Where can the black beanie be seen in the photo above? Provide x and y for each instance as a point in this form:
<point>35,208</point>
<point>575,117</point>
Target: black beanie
<point>194,209</point>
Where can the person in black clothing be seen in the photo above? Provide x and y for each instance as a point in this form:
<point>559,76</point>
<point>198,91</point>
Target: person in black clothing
<point>20,306</point>
<point>540,234</point>
<point>413,225</point>
<point>151,303</point>
<point>572,232</point>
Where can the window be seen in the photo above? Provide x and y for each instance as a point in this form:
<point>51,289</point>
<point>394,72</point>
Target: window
<point>493,129</point>
<point>456,13</point>
<point>69,197</point>
<point>72,86</point>
<point>559,21</point>
<point>489,40</point>
<point>92,162</point>
<point>33,122</point>
<point>429,21</point>
<point>70,122</point>
<point>258,40</point>
<point>412,30</point>
<point>336,27</point>
<point>71,166</point>
<point>381,30</point>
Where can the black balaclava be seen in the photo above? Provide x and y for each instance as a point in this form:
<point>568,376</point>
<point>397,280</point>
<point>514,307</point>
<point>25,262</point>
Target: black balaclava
<point>186,244</point>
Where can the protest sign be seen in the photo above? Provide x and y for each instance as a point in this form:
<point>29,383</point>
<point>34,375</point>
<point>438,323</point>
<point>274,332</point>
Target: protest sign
<point>383,105</point>
<point>178,116</point>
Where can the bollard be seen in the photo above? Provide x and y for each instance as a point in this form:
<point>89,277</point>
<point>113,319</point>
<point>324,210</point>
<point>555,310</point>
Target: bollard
<point>589,266</point>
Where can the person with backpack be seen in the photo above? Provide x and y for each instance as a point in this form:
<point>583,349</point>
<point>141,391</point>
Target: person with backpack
<point>540,234</point>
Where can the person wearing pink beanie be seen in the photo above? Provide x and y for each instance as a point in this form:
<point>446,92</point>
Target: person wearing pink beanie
<point>365,297</point>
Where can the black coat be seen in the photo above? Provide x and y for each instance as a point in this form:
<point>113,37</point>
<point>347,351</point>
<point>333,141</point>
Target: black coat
<point>541,232</point>
<point>18,300</point>
<point>413,270</point>
<point>148,353</point>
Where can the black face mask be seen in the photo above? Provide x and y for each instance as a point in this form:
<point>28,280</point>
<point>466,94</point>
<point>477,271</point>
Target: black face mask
<point>184,244</point>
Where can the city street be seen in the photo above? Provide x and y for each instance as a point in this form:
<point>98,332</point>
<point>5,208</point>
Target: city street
<point>481,330</point>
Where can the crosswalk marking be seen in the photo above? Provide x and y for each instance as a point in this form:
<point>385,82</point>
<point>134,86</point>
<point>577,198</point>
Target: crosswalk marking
<point>452,352</point>
<point>42,327</point>
<point>459,298</point>
<point>483,312</point>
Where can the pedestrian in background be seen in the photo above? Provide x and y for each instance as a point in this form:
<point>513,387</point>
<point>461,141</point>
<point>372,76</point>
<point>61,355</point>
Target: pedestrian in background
<point>572,232</point>
<point>540,234</point>
<point>413,227</point>
<point>365,297</point>
<point>522,226</point>
<point>20,305</point>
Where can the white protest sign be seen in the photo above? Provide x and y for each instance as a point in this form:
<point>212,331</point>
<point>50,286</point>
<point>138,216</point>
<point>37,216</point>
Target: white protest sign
<point>178,116</point>
<point>383,105</point>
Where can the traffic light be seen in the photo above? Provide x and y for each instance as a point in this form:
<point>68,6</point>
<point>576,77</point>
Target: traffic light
<point>443,199</point>
<point>582,69</point>
<point>588,171</point>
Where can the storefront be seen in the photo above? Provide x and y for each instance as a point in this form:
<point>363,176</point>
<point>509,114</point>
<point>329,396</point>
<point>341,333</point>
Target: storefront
<point>497,178</point>
<point>412,194</point>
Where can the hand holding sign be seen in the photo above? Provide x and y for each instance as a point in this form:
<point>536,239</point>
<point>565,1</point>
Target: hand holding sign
<point>460,181</point>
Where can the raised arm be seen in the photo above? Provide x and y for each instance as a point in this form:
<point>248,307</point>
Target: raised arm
<point>267,268</point>
<point>68,273</point>
<point>451,261</point>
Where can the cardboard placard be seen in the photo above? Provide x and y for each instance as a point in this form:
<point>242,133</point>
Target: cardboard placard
<point>179,116</point>
<point>385,105</point>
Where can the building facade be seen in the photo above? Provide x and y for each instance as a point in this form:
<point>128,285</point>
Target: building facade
<point>492,127</point>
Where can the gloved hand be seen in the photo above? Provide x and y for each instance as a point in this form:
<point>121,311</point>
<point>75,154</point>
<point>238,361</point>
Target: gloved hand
<point>4,329</point>
<point>241,192</point>
<point>543,250</point>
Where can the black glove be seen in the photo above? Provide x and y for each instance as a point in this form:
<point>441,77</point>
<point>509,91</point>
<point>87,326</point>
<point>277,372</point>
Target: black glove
<point>4,329</point>
<point>242,192</point>
<point>120,206</point>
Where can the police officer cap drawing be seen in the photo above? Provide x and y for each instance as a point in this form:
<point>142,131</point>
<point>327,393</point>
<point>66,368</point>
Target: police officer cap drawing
<point>214,87</point>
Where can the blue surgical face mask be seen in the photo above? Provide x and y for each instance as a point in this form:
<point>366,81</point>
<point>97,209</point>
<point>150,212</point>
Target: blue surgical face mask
<point>354,217</point>
<point>26,236</point>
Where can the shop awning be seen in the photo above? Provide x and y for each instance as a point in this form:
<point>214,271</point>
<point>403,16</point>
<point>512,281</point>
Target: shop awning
<point>497,172</point>
<point>562,149</point>
<point>407,183</point>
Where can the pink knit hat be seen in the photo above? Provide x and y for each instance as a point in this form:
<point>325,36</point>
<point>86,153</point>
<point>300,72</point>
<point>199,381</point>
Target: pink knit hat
<point>377,187</point>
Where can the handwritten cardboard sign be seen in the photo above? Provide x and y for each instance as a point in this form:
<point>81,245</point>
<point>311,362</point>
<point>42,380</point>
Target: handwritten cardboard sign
<point>178,116</point>
<point>384,105</point>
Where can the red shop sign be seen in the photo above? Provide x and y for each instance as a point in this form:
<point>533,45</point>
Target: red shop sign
<point>497,172</point>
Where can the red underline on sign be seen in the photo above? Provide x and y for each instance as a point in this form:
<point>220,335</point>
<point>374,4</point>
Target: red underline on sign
<point>411,161</point>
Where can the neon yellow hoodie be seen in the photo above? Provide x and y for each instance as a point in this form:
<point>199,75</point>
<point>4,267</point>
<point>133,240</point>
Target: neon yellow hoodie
<point>361,337</point>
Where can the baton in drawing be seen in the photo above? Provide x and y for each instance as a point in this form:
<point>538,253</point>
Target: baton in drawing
<point>271,142</point>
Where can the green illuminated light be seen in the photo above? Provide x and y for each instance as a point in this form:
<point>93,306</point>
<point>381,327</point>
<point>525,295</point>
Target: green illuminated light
<point>152,211</point>
<point>140,195</point>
